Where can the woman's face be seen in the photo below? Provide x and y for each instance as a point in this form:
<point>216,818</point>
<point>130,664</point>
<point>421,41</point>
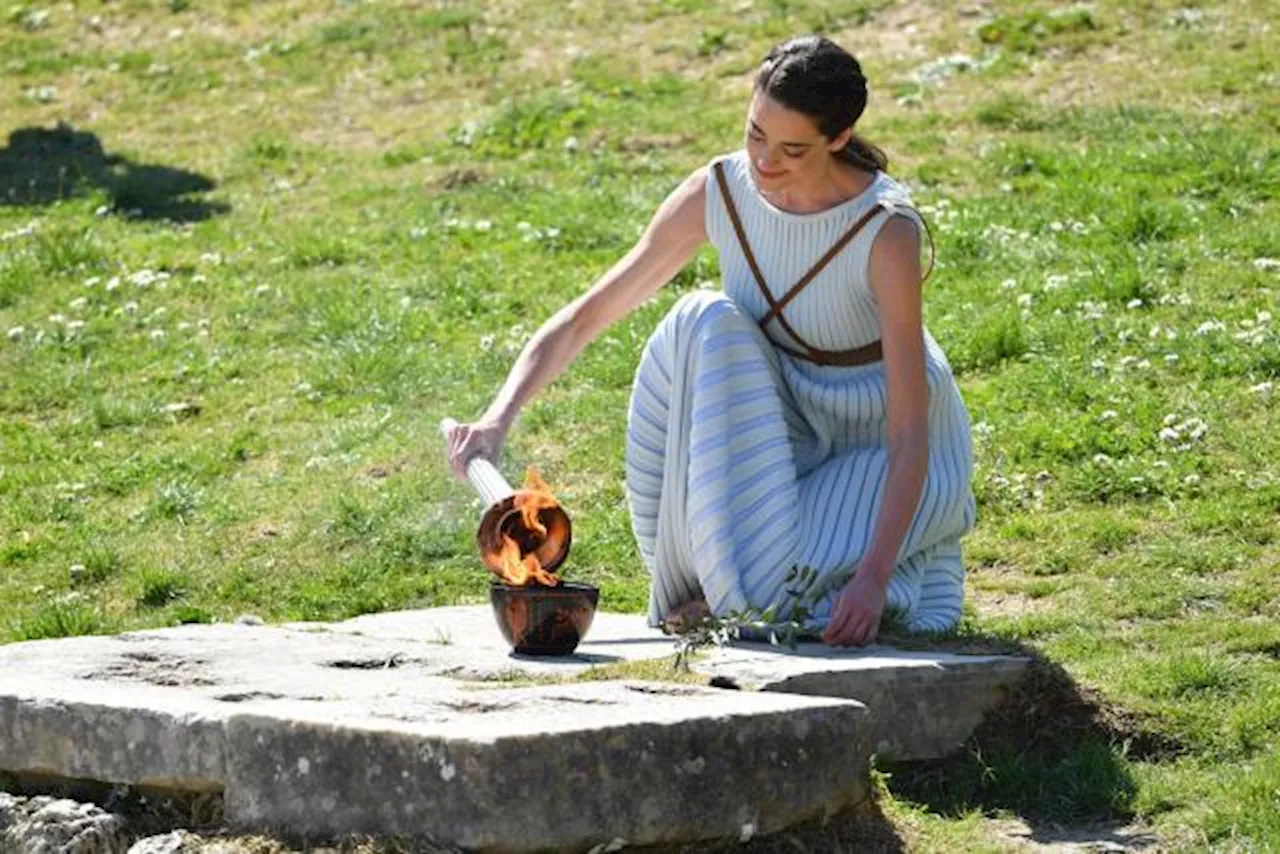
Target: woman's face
<point>785,147</point>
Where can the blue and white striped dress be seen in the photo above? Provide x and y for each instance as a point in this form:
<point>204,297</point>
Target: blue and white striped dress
<point>743,461</point>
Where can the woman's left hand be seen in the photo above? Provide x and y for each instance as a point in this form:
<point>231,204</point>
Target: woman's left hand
<point>855,621</point>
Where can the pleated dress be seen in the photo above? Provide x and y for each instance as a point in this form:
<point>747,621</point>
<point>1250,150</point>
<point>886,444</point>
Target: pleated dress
<point>745,459</point>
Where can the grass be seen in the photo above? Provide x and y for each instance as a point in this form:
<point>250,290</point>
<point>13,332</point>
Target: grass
<point>275,243</point>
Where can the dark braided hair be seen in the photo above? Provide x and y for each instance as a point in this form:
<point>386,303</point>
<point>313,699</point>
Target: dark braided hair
<point>815,76</point>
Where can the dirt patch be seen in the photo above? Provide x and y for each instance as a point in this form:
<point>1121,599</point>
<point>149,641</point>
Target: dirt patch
<point>379,471</point>
<point>1077,839</point>
<point>1006,603</point>
<point>908,32</point>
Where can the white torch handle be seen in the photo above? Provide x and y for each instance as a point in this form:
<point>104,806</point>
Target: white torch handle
<point>481,474</point>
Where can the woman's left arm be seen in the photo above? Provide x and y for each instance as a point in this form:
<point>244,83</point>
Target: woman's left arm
<point>894,274</point>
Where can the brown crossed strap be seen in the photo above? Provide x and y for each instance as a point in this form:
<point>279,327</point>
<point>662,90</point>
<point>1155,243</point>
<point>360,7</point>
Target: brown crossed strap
<point>857,356</point>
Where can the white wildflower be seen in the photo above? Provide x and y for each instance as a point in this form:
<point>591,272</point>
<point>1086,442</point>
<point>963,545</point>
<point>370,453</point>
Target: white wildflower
<point>482,225</point>
<point>75,326</point>
<point>1024,300</point>
<point>26,231</point>
<point>1264,317</point>
<point>78,303</point>
<point>983,429</point>
<point>486,343</point>
<point>214,258</point>
<point>571,144</point>
<point>405,302</point>
<point>130,307</point>
<point>1210,326</point>
<point>1143,365</point>
<point>91,281</point>
<point>1134,303</point>
<point>1108,414</point>
<point>15,333</point>
<point>261,290</point>
<point>42,94</point>
<point>199,279</point>
<point>1267,263</point>
<point>1101,460</point>
<point>142,278</point>
<point>1261,388</point>
<point>1092,310</point>
<point>157,334</point>
<point>1098,365</point>
<point>113,283</point>
<point>940,69</point>
<point>57,318</point>
<point>467,132</point>
<point>1191,479</point>
<point>1054,282</point>
<point>1008,284</point>
<point>1171,357</point>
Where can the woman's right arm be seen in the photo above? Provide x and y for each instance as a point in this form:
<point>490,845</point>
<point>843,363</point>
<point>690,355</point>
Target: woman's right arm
<point>668,243</point>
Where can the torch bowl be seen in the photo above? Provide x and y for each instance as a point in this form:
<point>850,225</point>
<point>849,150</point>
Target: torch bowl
<point>540,620</point>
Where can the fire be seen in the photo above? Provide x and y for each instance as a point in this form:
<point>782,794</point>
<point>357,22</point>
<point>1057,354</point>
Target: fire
<point>514,566</point>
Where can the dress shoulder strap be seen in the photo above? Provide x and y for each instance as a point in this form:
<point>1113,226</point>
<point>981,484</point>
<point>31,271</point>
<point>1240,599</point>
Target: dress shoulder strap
<point>856,356</point>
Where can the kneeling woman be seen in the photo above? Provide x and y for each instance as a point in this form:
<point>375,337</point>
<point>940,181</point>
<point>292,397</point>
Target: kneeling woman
<point>801,417</point>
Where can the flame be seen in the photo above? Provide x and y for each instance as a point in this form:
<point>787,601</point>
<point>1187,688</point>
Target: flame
<point>521,569</point>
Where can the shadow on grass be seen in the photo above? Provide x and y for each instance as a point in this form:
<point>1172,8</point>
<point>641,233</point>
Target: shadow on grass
<point>1053,752</point>
<point>40,166</point>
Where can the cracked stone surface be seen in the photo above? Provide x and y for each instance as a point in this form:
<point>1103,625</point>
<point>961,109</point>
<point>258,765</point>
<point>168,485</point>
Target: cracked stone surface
<point>923,705</point>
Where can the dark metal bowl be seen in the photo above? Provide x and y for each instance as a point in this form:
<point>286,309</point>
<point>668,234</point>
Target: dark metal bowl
<point>538,620</point>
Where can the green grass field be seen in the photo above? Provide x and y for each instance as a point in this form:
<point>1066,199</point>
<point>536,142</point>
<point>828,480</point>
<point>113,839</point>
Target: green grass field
<point>277,242</point>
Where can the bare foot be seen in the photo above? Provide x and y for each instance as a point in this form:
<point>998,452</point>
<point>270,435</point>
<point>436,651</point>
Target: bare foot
<point>683,618</point>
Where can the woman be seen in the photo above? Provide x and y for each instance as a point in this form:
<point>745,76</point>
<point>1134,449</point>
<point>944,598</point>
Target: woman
<point>803,417</point>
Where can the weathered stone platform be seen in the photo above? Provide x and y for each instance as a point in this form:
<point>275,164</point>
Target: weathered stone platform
<point>923,705</point>
<point>407,724</point>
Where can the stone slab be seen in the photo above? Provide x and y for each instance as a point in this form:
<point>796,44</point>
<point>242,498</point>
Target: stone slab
<point>319,732</point>
<point>923,704</point>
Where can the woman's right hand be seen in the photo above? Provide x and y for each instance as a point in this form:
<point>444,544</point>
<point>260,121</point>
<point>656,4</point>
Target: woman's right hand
<point>481,438</point>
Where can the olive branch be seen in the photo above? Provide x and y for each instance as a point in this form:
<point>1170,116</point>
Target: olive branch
<point>783,623</point>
